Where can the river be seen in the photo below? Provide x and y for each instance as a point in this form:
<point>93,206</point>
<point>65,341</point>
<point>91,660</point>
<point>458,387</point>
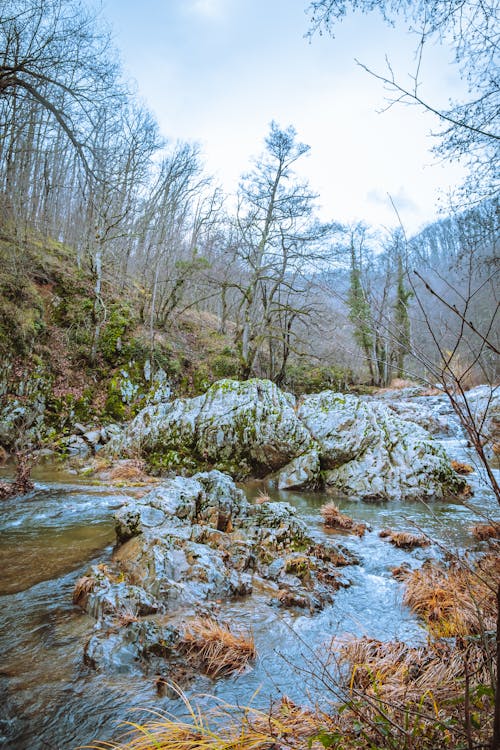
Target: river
<point>50,699</point>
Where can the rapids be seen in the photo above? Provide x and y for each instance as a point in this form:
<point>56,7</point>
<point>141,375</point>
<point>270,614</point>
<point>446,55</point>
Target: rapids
<point>50,699</point>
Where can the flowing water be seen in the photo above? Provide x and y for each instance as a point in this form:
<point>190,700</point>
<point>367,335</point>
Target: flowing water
<point>49,699</point>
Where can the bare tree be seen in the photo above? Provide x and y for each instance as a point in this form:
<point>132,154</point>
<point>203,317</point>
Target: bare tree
<point>277,237</point>
<point>52,54</point>
<point>472,29</point>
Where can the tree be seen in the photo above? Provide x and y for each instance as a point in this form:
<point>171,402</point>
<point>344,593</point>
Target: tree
<point>52,55</point>
<point>278,237</point>
<point>472,29</point>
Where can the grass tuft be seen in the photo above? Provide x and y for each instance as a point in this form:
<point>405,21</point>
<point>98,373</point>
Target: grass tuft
<point>458,600</point>
<point>216,649</point>
<point>225,727</point>
<point>484,531</point>
<point>334,519</point>
<point>403,539</point>
<point>461,468</point>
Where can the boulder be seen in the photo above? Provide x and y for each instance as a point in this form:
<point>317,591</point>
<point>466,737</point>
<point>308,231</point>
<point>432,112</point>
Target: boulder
<point>187,546</point>
<point>369,452</point>
<point>238,427</point>
<point>360,447</point>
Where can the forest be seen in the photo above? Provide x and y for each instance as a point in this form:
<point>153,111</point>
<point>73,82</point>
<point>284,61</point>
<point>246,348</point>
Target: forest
<point>140,304</point>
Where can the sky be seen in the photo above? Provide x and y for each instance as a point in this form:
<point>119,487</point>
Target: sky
<point>217,72</point>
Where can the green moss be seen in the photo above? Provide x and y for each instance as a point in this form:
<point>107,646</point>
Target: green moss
<point>114,408</point>
<point>161,462</point>
<point>111,342</point>
<point>297,566</point>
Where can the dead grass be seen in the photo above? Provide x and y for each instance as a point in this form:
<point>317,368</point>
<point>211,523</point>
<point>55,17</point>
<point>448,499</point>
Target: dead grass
<point>461,468</point>
<point>83,587</point>
<point>262,497</point>
<point>334,519</point>
<point>224,727</point>
<point>215,648</point>
<point>458,600</point>
<point>129,469</point>
<point>288,598</point>
<point>403,539</point>
<point>22,483</point>
<point>484,531</point>
<point>393,671</point>
<point>401,572</point>
<point>334,556</point>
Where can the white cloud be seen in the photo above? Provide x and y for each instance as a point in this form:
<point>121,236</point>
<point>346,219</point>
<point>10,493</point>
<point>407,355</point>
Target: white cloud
<point>208,8</point>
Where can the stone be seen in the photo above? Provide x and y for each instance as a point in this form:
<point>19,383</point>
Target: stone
<point>370,453</point>
<point>301,472</point>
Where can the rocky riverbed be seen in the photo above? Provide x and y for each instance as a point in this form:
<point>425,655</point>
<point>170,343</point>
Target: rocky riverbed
<point>144,563</point>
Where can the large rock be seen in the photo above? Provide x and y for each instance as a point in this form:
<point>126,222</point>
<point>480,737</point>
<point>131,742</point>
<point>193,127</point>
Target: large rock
<point>369,452</point>
<point>187,546</point>
<point>360,447</point>
<point>238,427</point>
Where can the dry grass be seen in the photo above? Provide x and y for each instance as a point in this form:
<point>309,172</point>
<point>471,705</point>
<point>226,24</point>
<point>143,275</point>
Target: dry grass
<point>403,539</point>
<point>334,519</point>
<point>484,531</point>
<point>224,727</point>
<point>401,572</point>
<point>458,600</point>
<point>22,483</point>
<point>461,468</point>
<point>83,587</point>
<point>396,672</point>
<point>128,470</point>
<point>288,598</point>
<point>262,497</point>
<point>215,648</point>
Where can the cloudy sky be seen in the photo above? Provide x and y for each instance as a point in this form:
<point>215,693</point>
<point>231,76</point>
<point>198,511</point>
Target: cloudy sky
<point>218,71</point>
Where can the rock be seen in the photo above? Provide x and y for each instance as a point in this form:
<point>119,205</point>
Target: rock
<point>277,525</point>
<point>369,452</point>
<point>185,546</point>
<point>74,445</point>
<point>360,447</point>
<point>93,437</point>
<point>122,649</point>
<point>426,413</point>
<point>110,431</point>
<point>302,472</point>
<point>237,427</point>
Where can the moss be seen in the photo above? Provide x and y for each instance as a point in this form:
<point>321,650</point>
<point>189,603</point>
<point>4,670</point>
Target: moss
<point>111,343</point>
<point>114,408</point>
<point>161,462</point>
<point>298,566</point>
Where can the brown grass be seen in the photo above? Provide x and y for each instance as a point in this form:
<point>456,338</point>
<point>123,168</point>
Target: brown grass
<point>397,672</point>
<point>224,727</point>
<point>461,468</point>
<point>215,648</point>
<point>262,497</point>
<point>335,556</point>
<point>290,599</point>
<point>22,483</point>
<point>483,531</point>
<point>458,600</point>
<point>400,572</point>
<point>403,539</point>
<point>129,469</point>
<point>334,519</point>
<point>83,587</point>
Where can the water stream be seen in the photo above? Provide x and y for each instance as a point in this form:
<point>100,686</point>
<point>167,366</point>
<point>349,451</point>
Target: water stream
<point>49,699</point>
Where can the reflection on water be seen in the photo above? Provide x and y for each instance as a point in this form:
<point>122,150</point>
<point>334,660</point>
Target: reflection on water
<point>49,699</point>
